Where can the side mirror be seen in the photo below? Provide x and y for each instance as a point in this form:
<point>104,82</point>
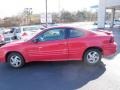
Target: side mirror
<point>35,40</point>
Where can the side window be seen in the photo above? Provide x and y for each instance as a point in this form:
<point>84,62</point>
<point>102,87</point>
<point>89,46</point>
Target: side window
<point>12,30</point>
<point>18,31</point>
<point>74,33</point>
<point>53,34</point>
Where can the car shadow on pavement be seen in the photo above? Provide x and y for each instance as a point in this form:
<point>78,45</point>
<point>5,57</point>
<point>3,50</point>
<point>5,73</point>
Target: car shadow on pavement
<point>68,75</point>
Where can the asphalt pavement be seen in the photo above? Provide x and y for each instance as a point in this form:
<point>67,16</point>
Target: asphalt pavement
<point>71,75</point>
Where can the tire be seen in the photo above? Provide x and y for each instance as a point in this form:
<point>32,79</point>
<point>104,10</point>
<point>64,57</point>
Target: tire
<point>15,60</point>
<point>92,57</point>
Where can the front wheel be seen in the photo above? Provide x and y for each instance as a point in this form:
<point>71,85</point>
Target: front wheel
<point>15,60</point>
<point>92,56</point>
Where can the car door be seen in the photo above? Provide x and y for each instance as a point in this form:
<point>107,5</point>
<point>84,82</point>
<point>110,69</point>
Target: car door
<point>76,43</point>
<point>51,45</point>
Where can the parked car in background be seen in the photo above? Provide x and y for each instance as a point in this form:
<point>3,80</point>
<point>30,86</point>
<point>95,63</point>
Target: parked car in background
<point>17,33</point>
<point>60,44</point>
<point>96,23</point>
<point>9,35</point>
<point>49,25</point>
<point>1,36</point>
<point>25,31</point>
<point>116,22</point>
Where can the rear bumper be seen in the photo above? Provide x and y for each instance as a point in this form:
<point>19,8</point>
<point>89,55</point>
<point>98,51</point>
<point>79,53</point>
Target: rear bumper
<point>109,49</point>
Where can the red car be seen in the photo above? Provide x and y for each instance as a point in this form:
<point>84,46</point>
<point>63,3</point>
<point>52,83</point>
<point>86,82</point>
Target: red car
<point>60,44</point>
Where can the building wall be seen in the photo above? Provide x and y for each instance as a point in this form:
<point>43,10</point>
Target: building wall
<point>110,3</point>
<point>103,5</point>
<point>101,14</point>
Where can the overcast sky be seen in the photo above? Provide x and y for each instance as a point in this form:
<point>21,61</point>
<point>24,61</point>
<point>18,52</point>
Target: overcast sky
<point>14,7</point>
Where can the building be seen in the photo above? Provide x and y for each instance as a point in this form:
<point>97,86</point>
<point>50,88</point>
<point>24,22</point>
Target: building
<point>103,6</point>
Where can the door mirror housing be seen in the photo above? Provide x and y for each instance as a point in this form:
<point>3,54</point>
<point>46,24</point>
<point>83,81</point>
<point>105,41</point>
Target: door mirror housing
<point>35,40</point>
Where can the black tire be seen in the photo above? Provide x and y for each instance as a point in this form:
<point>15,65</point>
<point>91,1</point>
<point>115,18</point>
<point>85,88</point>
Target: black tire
<point>93,60</point>
<point>15,60</point>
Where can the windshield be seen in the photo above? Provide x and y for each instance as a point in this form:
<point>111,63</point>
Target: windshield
<point>26,38</point>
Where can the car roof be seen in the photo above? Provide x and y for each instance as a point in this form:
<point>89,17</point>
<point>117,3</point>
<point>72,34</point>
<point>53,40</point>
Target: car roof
<point>63,27</point>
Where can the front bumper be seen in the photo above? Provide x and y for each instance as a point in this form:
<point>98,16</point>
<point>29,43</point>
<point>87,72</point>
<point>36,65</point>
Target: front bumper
<point>109,49</point>
<point>2,55</point>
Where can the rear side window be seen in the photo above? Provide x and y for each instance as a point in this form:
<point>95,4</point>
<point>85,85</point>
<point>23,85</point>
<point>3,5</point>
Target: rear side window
<point>74,33</point>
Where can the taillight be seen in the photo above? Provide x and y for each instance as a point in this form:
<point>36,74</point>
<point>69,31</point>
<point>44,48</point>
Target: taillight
<point>111,40</point>
<point>24,34</point>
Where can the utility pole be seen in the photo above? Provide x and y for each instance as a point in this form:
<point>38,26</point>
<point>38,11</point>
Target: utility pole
<point>46,6</point>
<point>59,11</point>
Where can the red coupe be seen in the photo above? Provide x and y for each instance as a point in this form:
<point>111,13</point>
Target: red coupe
<point>60,44</point>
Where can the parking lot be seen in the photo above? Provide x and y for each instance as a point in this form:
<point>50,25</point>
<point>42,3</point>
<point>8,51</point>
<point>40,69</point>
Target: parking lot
<point>71,75</point>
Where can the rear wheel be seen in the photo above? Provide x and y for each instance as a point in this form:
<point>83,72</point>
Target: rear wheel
<point>15,60</point>
<point>92,56</point>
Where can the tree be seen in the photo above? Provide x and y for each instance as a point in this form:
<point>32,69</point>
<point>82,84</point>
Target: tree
<point>61,17</point>
<point>55,18</point>
<point>67,16</point>
<point>80,16</point>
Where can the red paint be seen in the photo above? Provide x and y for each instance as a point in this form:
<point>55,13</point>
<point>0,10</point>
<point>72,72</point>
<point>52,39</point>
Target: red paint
<point>60,50</point>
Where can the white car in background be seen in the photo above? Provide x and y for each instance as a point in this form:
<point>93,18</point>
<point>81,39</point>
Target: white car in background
<point>27,31</point>
<point>116,22</point>
<point>1,36</point>
<point>8,36</point>
<point>17,33</point>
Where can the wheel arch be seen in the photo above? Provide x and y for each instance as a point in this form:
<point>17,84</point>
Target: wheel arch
<point>8,53</point>
<point>93,47</point>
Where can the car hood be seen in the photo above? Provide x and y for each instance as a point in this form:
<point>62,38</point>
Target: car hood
<point>14,43</point>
